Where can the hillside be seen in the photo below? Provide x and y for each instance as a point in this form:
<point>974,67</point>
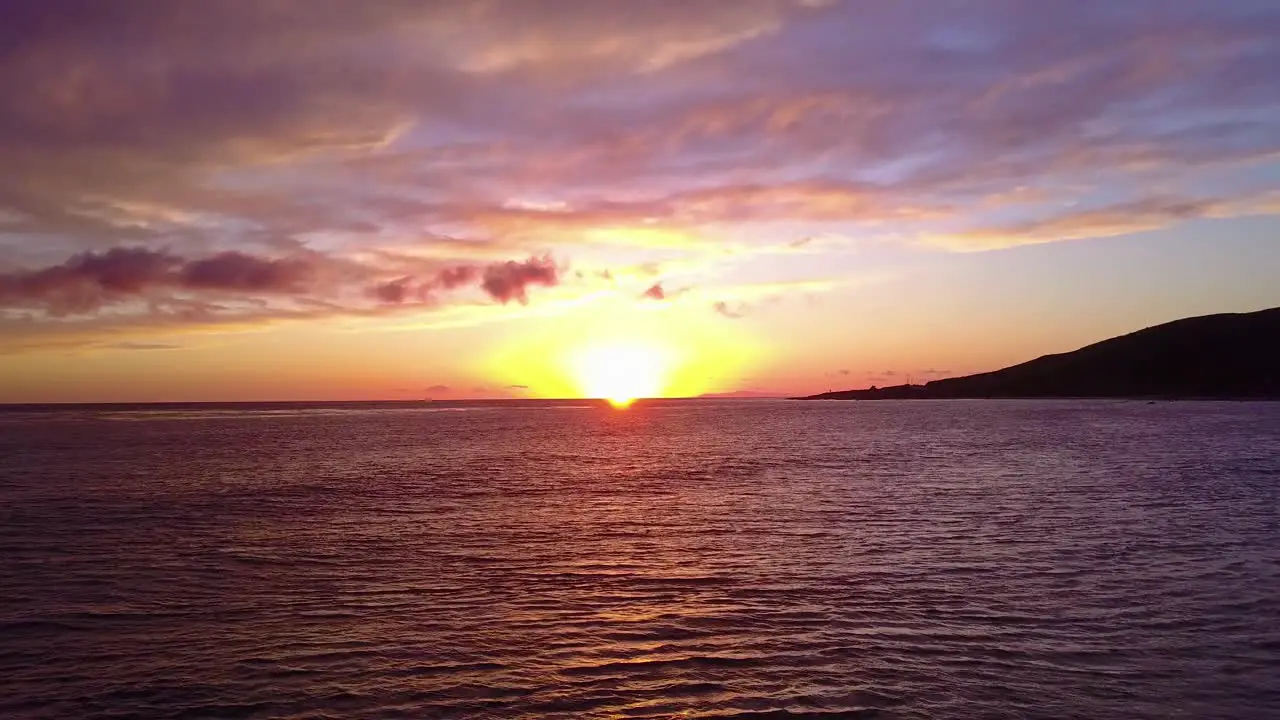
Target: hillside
<point>1214,356</point>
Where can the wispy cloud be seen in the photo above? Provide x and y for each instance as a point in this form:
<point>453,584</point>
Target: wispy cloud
<point>141,346</point>
<point>1108,221</point>
<point>763,290</point>
<point>153,179</point>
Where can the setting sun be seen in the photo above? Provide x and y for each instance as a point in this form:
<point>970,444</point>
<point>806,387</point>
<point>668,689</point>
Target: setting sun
<point>621,372</point>
<point>620,350</point>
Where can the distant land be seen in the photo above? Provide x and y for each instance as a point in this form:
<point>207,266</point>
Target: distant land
<point>740,395</point>
<point>1227,356</point>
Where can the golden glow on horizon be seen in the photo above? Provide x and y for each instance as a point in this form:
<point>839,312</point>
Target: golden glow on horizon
<point>620,349</point>
<point>621,371</point>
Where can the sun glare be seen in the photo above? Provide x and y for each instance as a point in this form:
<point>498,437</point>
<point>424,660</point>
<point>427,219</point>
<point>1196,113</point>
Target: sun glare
<point>621,372</point>
<point>619,349</point>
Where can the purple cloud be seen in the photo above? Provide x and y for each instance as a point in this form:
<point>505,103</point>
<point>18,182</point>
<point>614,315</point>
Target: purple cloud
<point>233,270</point>
<point>147,169</point>
<point>88,281</point>
<point>502,281</point>
<point>510,280</point>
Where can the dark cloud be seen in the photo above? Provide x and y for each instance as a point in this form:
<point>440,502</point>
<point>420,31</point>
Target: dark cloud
<point>89,281</point>
<point>411,289</point>
<point>123,270</point>
<point>502,281</point>
<point>655,292</point>
<point>240,271</point>
<point>510,280</point>
<point>397,291</point>
<point>517,387</point>
<point>844,372</point>
<point>438,388</point>
<point>450,278</point>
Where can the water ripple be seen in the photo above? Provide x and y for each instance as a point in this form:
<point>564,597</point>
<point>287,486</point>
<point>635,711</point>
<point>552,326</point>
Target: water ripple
<point>692,560</point>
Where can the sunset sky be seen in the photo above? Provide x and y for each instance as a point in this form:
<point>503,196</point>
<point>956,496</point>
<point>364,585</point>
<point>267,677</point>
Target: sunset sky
<point>508,198</point>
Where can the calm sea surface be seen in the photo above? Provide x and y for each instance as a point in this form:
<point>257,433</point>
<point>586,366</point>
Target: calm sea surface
<point>750,559</point>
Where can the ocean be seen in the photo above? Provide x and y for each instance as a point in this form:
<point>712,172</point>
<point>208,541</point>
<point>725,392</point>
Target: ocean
<point>680,559</point>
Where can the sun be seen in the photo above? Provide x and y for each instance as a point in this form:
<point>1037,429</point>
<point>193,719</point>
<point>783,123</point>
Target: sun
<point>621,371</point>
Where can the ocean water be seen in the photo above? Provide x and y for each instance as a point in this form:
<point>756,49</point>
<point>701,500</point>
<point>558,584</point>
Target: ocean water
<point>749,559</point>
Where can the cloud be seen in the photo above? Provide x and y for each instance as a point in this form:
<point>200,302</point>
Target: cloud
<point>438,388</point>
<point>141,346</point>
<point>668,220</point>
<point>410,289</point>
<point>89,281</point>
<point>1107,221</point>
<point>240,271</point>
<point>734,313</point>
<point>610,35</point>
<point>517,387</point>
<point>510,280</point>
<point>438,149</point>
<point>655,292</point>
<point>503,281</point>
<point>101,135</point>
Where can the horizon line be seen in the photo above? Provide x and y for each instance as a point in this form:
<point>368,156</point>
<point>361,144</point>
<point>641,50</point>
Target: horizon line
<point>402,401</point>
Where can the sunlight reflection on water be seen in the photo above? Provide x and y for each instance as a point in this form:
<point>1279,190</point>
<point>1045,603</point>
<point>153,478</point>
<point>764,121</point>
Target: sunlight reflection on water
<point>699,559</point>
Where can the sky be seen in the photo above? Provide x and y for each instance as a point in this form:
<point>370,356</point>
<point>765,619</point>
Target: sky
<point>320,199</point>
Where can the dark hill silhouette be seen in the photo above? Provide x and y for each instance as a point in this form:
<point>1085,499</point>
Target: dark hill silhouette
<point>1214,356</point>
